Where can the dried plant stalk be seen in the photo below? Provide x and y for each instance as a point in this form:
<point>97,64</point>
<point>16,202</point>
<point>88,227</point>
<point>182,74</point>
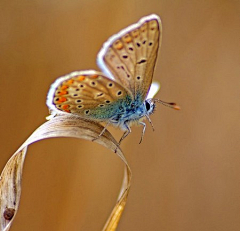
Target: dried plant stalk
<point>60,126</point>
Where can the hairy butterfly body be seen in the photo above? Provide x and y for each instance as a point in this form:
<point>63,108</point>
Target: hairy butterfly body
<point>119,95</point>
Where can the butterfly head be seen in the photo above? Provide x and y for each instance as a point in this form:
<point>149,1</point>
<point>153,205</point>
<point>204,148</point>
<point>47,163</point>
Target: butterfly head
<point>149,106</point>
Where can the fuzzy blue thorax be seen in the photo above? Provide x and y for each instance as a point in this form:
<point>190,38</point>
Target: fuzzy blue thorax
<point>131,111</point>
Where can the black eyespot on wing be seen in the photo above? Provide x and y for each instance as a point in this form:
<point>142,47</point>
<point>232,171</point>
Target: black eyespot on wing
<point>100,94</point>
<point>110,84</point>
<point>150,44</point>
<point>142,61</point>
<point>119,92</point>
<point>86,112</point>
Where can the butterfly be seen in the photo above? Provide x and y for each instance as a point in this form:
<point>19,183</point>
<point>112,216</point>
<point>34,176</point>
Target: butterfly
<point>120,95</point>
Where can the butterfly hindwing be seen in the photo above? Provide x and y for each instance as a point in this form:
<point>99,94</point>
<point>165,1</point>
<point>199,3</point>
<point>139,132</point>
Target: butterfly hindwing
<point>88,94</point>
<point>130,55</point>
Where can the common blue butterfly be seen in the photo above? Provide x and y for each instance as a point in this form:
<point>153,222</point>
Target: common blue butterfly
<point>120,95</point>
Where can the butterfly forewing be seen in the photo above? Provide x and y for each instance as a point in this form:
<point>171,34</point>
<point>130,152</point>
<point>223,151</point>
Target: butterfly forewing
<point>131,55</point>
<point>153,41</point>
<point>88,94</point>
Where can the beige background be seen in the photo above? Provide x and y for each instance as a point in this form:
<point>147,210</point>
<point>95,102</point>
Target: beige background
<point>186,174</point>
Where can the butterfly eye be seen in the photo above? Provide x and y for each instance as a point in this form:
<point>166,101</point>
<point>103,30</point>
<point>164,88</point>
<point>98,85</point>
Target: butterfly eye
<point>148,106</point>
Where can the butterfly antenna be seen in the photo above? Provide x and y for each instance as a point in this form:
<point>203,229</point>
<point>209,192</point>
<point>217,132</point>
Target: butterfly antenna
<point>171,105</point>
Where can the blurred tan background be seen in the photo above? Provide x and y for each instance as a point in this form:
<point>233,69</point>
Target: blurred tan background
<point>186,174</point>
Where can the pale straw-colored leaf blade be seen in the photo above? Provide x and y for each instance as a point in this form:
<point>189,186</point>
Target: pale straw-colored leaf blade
<point>59,126</point>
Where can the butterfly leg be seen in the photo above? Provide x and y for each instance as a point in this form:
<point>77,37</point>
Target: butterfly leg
<point>125,134</point>
<point>143,131</point>
<point>150,122</point>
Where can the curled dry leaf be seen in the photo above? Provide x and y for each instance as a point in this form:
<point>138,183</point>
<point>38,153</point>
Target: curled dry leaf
<point>59,126</point>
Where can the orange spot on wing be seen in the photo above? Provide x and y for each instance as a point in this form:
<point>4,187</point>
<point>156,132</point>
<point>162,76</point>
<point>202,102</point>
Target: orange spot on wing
<point>153,25</point>
<point>67,110</point>
<point>70,81</point>
<point>81,77</point>
<point>62,99</point>
<point>94,76</point>
<point>128,39</point>
<point>118,45</point>
<point>135,33</point>
<point>64,87</point>
<point>65,106</point>
<point>63,93</point>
